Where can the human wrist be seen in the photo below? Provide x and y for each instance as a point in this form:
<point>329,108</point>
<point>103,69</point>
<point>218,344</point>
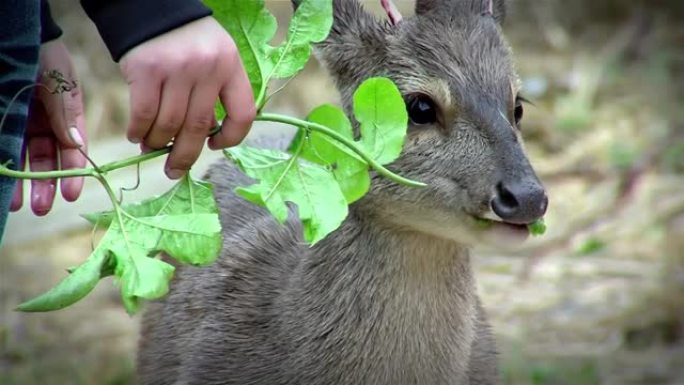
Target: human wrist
<point>145,20</point>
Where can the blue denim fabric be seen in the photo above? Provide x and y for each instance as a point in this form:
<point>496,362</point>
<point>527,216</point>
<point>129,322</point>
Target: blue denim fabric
<point>19,45</point>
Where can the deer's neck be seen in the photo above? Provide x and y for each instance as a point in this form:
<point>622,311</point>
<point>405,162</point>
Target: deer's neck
<point>388,300</point>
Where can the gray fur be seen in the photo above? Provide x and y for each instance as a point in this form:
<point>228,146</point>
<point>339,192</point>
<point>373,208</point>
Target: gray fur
<point>389,298</point>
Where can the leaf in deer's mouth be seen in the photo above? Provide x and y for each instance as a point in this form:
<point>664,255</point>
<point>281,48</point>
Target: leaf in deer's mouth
<point>537,228</point>
<point>487,224</point>
<point>483,224</point>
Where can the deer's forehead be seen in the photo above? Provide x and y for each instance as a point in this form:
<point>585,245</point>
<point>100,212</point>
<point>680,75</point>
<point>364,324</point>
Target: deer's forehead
<point>463,55</point>
<point>453,85</point>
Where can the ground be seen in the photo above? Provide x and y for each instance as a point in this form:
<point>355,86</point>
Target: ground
<point>597,300</point>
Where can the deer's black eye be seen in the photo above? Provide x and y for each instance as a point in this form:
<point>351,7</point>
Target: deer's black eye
<point>421,109</point>
<point>518,112</point>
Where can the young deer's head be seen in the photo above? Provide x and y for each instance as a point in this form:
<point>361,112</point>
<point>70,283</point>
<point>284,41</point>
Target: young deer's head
<point>454,69</point>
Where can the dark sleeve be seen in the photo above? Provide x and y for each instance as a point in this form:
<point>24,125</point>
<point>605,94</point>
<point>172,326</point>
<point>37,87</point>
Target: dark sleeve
<point>123,24</point>
<point>49,30</point>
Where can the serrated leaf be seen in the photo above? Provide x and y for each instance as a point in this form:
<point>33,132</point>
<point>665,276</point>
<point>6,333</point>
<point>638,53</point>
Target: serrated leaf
<point>321,206</point>
<point>188,238</point>
<point>186,196</point>
<point>182,223</point>
<point>350,171</point>
<point>140,275</point>
<point>380,109</point>
<point>311,23</point>
<point>251,26</point>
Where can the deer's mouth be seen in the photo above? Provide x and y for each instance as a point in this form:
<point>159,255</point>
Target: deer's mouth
<point>501,229</point>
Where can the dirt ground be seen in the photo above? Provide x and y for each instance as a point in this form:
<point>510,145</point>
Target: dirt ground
<point>598,300</point>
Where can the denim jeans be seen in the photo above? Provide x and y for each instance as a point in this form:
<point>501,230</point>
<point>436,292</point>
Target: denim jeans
<point>19,45</point>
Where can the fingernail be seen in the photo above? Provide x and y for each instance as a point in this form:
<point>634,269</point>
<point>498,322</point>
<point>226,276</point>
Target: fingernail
<point>76,136</point>
<point>134,140</point>
<point>144,149</point>
<point>175,174</point>
<point>39,205</point>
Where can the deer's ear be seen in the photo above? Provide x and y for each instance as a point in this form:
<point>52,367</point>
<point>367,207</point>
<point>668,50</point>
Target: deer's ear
<point>495,8</point>
<point>352,22</point>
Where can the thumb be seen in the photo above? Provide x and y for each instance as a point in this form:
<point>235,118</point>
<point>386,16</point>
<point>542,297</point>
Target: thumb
<point>64,110</point>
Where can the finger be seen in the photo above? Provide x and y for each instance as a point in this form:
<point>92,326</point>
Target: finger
<point>42,156</point>
<point>18,197</point>
<point>198,122</point>
<point>64,111</point>
<point>172,109</point>
<point>238,100</point>
<point>144,106</point>
<point>71,158</point>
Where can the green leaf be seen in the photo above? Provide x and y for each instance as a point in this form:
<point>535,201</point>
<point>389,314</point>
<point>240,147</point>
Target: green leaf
<point>135,242</point>
<point>380,109</point>
<point>219,111</point>
<point>251,26</point>
<point>321,206</point>
<point>140,276</point>
<point>81,281</point>
<point>186,196</point>
<point>350,171</point>
<point>311,23</point>
<point>189,238</point>
<point>182,223</point>
<point>537,228</point>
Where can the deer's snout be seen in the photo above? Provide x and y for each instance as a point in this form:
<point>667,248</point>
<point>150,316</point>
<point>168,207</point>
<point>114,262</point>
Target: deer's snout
<point>520,201</point>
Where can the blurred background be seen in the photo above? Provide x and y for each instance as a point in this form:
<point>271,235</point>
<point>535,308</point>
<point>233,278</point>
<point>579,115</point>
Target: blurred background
<point>598,300</point>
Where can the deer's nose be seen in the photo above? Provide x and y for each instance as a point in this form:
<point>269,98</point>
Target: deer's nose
<point>519,202</point>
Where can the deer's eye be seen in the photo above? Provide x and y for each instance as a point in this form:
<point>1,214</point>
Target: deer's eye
<point>518,112</point>
<point>421,109</point>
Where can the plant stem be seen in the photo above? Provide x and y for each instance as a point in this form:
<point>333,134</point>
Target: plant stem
<point>91,172</point>
<point>5,171</point>
<point>118,212</point>
<point>88,171</point>
<point>134,160</point>
<point>351,144</point>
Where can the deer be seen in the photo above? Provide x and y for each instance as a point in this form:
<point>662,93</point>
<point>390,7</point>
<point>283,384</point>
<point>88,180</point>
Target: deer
<point>389,297</point>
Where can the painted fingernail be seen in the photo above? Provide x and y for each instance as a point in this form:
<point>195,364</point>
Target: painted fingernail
<point>175,174</point>
<point>76,136</point>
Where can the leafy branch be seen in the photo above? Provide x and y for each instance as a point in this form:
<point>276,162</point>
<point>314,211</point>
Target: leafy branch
<point>324,170</point>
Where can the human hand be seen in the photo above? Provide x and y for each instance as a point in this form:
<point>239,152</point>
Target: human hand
<point>175,80</point>
<point>55,130</point>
